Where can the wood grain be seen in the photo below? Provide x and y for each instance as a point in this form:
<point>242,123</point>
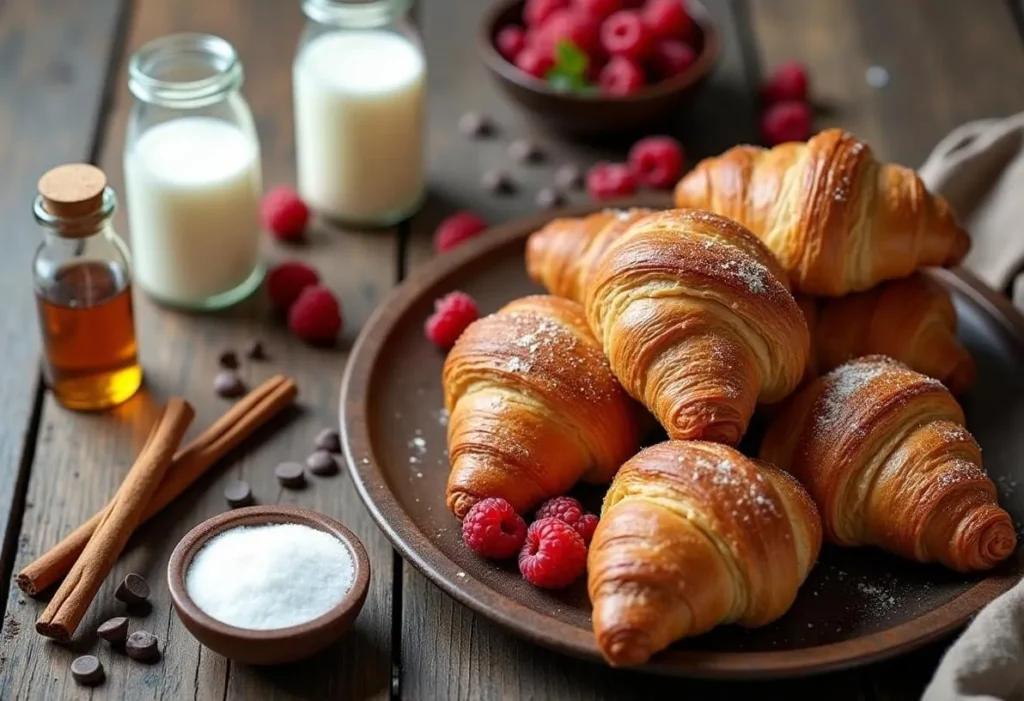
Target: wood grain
<point>81,458</point>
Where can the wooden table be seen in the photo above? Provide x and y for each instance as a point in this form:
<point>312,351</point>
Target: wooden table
<point>63,82</point>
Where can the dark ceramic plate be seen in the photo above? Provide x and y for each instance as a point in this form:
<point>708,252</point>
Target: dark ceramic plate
<point>857,606</point>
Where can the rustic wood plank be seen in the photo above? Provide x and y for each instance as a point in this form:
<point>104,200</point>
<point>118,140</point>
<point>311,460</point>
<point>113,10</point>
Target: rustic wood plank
<point>81,458</point>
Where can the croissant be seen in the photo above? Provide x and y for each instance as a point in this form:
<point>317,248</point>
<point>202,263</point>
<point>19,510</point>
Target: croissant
<point>533,407</point>
<point>562,255</point>
<point>837,219</point>
<point>884,454</point>
<point>693,314</point>
<point>693,535</point>
<point>911,320</point>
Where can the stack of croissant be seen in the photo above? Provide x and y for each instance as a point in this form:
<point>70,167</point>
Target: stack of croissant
<point>691,313</point>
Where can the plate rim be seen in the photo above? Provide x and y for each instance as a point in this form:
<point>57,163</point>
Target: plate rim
<point>417,549</point>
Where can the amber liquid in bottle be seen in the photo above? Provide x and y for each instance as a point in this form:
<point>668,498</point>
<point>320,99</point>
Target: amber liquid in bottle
<point>89,336</point>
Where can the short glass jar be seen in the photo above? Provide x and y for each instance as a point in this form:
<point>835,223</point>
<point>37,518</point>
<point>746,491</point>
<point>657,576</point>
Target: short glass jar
<point>358,82</point>
<point>192,174</point>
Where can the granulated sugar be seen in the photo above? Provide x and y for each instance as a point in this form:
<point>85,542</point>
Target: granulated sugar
<point>268,577</point>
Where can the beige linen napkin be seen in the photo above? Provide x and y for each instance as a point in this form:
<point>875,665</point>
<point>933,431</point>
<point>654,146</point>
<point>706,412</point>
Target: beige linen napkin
<point>979,167</point>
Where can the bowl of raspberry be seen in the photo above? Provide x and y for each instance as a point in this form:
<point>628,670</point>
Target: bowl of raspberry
<point>596,66</point>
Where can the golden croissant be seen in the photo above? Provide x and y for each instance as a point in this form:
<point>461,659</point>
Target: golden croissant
<point>697,323</point>
<point>837,219</point>
<point>693,535</point>
<point>910,320</point>
<point>533,407</point>
<point>884,454</point>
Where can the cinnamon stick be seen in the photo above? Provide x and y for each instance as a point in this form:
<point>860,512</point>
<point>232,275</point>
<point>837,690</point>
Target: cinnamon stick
<point>189,464</point>
<point>65,611</point>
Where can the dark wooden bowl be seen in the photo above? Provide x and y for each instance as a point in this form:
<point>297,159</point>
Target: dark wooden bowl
<point>266,647</point>
<point>858,604</point>
<point>596,114</point>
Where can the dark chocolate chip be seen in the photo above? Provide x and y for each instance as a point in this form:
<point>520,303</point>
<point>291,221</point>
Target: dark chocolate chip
<point>142,645</point>
<point>290,474</point>
<point>328,440</point>
<point>549,197</point>
<point>476,125</point>
<point>497,182</point>
<point>114,630</point>
<point>322,463</point>
<point>238,494</point>
<point>87,670</point>
<point>229,360</point>
<point>256,351</point>
<point>228,384</point>
<point>569,177</point>
<point>133,589</point>
<point>525,151</point>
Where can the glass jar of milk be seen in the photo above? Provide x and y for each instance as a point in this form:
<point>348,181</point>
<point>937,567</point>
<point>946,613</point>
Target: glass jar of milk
<point>192,174</point>
<point>358,82</point>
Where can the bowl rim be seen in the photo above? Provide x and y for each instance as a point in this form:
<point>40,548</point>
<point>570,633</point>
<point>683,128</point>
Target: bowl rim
<point>193,541</point>
<point>706,59</point>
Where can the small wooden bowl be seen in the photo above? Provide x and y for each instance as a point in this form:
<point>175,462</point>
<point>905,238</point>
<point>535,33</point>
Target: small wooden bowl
<point>266,647</point>
<point>594,114</point>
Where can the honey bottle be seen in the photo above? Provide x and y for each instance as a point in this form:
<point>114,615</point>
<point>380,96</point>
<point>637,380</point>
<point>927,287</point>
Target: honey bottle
<point>82,280</point>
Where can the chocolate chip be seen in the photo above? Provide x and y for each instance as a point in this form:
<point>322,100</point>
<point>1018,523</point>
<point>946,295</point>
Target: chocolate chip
<point>549,197</point>
<point>229,360</point>
<point>142,645</point>
<point>476,125</point>
<point>290,475</point>
<point>497,182</point>
<point>328,440</point>
<point>569,177</point>
<point>256,351</point>
<point>87,670</point>
<point>238,494</point>
<point>322,463</point>
<point>114,630</point>
<point>133,589</point>
<point>228,384</point>
<point>525,151</point>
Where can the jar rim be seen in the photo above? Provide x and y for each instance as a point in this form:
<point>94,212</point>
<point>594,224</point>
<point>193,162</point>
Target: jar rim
<point>203,53</point>
<point>76,227</point>
<point>355,14</point>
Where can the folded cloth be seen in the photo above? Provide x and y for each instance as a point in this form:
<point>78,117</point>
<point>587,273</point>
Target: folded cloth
<point>979,168</point>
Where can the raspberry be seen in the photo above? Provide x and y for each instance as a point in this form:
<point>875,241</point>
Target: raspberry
<point>620,76</point>
<point>510,41</point>
<point>534,62</point>
<point>607,180</point>
<point>452,314</point>
<point>657,161</point>
<point>536,12</point>
<point>624,34</point>
<point>284,213</point>
<point>788,82</point>
<point>586,527</point>
<point>668,19</point>
<point>457,228</point>
<point>285,282</point>
<point>563,508</point>
<point>671,57</point>
<point>316,316</point>
<point>567,25</point>
<point>493,529</point>
<point>554,555</point>
<point>786,121</point>
<point>598,9</point>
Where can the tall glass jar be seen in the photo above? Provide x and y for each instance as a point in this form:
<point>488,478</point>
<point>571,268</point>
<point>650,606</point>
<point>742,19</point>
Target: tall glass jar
<point>192,174</point>
<point>358,82</point>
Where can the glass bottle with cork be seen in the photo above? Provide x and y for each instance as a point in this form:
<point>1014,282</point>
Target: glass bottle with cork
<point>82,281</point>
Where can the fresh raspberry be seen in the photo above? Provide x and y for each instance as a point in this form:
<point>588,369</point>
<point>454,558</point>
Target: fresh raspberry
<point>457,228</point>
<point>788,82</point>
<point>535,62</point>
<point>569,25</point>
<point>452,314</point>
<point>493,529</point>
<point>620,76</point>
<point>554,555</point>
<point>598,9</point>
<point>668,19</point>
<point>671,58</point>
<point>786,121</point>
<point>608,180</point>
<point>510,41</point>
<point>586,527</point>
<point>284,213</point>
<point>536,12</point>
<point>285,282</point>
<point>657,161</point>
<point>624,34</point>
<point>316,316</point>
<point>563,508</point>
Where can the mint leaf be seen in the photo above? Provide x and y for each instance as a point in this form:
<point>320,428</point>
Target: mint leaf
<point>570,60</point>
<point>561,82</point>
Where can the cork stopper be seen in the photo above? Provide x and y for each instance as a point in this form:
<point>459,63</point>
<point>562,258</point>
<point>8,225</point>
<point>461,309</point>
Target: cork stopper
<point>72,190</point>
